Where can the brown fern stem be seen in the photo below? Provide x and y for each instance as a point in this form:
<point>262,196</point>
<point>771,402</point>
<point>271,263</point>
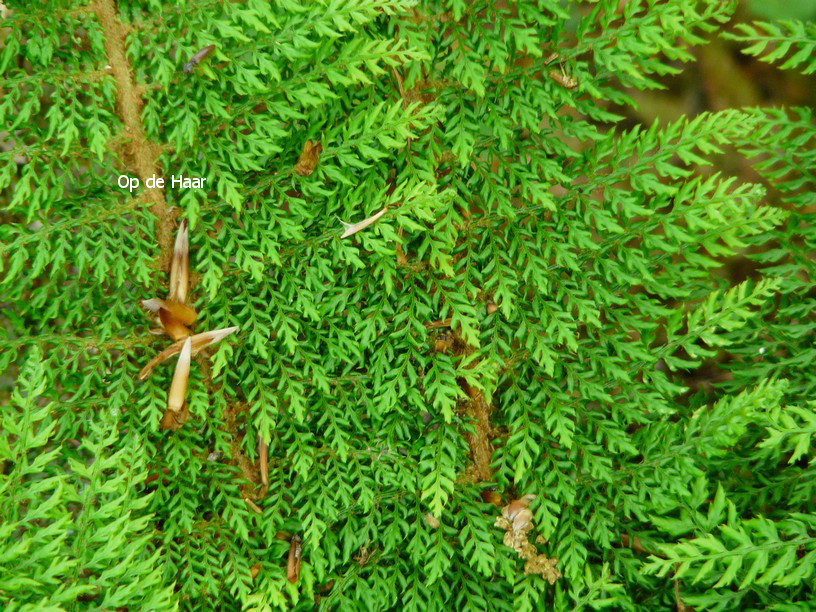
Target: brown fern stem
<point>141,155</point>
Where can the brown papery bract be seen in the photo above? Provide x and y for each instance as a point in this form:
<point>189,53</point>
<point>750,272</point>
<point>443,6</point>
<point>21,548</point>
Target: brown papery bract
<point>180,266</point>
<point>172,326</point>
<point>178,388</point>
<point>308,158</point>
<point>184,314</point>
<point>174,420</point>
<point>198,342</point>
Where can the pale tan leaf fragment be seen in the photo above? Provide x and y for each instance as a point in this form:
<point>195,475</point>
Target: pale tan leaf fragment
<point>353,228</point>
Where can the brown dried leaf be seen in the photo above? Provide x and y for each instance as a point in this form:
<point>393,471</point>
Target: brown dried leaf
<point>308,158</point>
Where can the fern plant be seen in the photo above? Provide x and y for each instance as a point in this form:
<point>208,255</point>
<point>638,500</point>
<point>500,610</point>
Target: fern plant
<point>463,286</point>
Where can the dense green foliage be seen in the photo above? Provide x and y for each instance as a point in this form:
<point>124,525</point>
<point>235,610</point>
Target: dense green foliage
<point>534,253</point>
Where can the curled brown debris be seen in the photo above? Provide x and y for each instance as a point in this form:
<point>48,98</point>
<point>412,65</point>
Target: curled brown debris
<point>295,555</point>
<point>563,79</point>
<point>516,520</point>
<point>308,158</point>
